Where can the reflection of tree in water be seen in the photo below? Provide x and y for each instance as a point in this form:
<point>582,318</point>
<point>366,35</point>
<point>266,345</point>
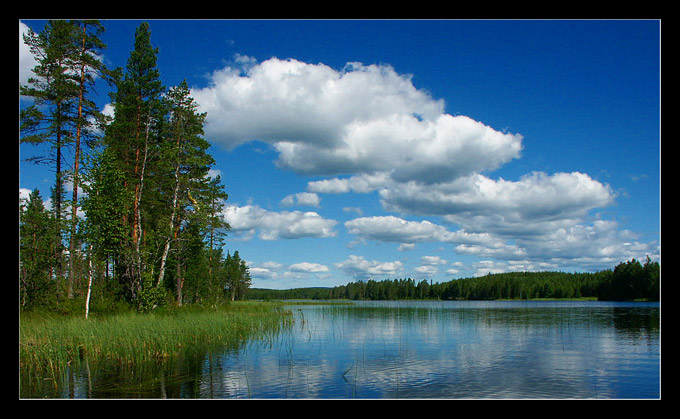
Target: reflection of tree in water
<point>637,322</point>
<point>177,377</point>
<point>626,319</point>
<point>183,376</point>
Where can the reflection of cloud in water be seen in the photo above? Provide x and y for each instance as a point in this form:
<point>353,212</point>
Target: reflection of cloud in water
<point>471,353</point>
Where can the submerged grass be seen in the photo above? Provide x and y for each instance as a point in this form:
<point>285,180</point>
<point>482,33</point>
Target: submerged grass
<point>50,343</point>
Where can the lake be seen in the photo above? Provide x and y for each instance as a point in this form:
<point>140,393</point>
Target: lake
<point>414,350</point>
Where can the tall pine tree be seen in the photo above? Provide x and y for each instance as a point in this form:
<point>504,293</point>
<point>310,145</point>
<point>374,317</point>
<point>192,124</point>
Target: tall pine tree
<point>84,66</point>
<point>133,140</point>
<point>49,119</point>
<point>185,150</point>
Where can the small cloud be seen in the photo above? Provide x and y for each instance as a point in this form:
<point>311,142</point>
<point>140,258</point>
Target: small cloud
<point>277,225</point>
<point>432,261</point>
<point>308,267</point>
<point>362,269</point>
<point>426,270</point>
<point>213,173</point>
<point>263,273</point>
<point>301,199</point>
<point>271,265</point>
<point>24,194</point>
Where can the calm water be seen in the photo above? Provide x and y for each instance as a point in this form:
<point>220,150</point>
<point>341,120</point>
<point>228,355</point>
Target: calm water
<point>443,349</point>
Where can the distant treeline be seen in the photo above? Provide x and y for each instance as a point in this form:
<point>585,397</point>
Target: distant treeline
<point>627,281</point>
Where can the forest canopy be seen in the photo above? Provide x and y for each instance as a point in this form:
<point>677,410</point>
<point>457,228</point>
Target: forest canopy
<point>146,230</point>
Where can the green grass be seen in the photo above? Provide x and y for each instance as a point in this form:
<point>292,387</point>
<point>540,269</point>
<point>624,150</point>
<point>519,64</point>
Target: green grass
<point>49,343</point>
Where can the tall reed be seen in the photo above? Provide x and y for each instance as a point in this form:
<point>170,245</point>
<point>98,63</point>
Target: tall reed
<point>48,344</point>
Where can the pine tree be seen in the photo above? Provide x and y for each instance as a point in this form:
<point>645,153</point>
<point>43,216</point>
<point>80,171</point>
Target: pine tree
<point>186,151</point>
<point>237,276</point>
<point>49,119</point>
<point>133,140</point>
<point>192,286</point>
<point>216,225</point>
<point>62,114</point>
<point>84,66</point>
<point>35,254</point>
<point>652,273</point>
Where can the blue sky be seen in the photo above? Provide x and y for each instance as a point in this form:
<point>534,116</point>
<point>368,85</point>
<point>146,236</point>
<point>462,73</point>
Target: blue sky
<point>430,149</point>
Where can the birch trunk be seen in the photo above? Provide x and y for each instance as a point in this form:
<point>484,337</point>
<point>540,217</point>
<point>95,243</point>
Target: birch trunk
<point>180,283</point>
<point>138,210</point>
<point>89,286</point>
<point>166,250</point>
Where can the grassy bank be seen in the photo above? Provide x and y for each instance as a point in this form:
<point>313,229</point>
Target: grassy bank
<point>48,343</point>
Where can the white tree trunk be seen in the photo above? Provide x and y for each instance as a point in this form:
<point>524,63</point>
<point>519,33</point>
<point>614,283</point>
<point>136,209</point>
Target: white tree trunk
<point>89,286</point>
<point>166,250</point>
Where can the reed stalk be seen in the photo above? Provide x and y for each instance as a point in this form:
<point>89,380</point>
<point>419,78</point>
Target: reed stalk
<point>49,344</point>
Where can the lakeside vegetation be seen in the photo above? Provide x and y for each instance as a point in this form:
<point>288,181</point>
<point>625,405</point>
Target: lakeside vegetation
<point>627,281</point>
<point>50,343</point>
<point>141,225</point>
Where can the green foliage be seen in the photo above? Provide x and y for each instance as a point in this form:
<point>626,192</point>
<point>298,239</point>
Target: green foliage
<point>36,252</point>
<point>236,276</point>
<point>150,296</point>
<point>631,280</point>
<point>104,205</point>
<point>151,225</point>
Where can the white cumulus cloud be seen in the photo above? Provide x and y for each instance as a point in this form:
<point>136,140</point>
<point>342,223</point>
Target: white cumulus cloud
<point>367,128</point>
<point>432,260</point>
<point>272,225</point>
<point>397,230</point>
<point>308,267</point>
<point>360,120</point>
<point>536,203</point>
<point>262,273</point>
<point>363,183</point>
<point>394,229</point>
<point>26,60</point>
<point>407,148</point>
<point>362,269</point>
<point>301,199</point>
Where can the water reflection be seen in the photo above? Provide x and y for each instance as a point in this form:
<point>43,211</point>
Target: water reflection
<point>415,350</point>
